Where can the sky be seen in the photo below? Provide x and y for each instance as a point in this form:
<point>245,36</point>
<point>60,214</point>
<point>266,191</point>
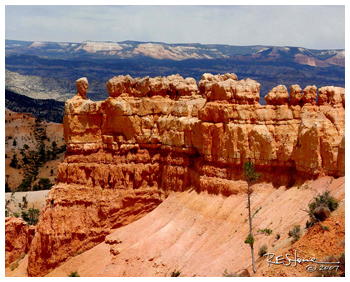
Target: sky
<point>314,27</point>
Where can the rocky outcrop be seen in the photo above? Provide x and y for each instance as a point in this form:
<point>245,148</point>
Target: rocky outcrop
<point>172,86</point>
<point>82,87</point>
<point>277,96</point>
<point>331,95</point>
<point>157,135</point>
<point>18,237</point>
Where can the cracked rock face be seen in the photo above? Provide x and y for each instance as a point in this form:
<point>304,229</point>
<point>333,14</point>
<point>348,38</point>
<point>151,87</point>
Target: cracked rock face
<point>153,136</point>
<point>18,238</point>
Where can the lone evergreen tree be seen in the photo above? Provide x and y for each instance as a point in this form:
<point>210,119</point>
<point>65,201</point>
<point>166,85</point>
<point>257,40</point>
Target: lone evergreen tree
<point>251,176</point>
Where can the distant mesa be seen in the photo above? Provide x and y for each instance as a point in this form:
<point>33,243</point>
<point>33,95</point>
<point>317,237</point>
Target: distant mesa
<point>177,52</point>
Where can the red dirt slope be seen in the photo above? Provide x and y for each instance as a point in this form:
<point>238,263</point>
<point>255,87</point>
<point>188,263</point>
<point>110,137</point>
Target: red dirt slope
<point>202,235</point>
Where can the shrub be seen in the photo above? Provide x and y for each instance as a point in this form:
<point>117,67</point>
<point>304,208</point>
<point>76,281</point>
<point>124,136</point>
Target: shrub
<point>266,231</point>
<point>262,250</point>
<point>321,212</point>
<point>25,201</point>
<point>243,273</point>
<point>249,239</point>
<point>74,274</point>
<point>7,188</point>
<point>278,236</point>
<point>175,273</point>
<point>45,184</point>
<point>14,161</point>
<point>14,265</point>
<point>256,211</point>
<point>32,216</point>
<point>54,145</point>
<point>230,274</point>
<point>321,208</point>
<point>295,233</point>
<point>25,184</point>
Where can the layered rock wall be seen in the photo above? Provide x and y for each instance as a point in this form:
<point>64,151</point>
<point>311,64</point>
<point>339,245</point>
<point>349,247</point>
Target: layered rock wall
<point>222,123</point>
<point>157,135</point>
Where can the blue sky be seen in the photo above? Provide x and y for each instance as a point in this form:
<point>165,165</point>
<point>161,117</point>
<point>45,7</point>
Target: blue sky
<point>318,27</point>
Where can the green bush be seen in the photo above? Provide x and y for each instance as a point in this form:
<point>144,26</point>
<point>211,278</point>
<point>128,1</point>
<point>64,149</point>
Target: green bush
<point>256,211</point>
<point>14,265</point>
<point>32,216</point>
<point>230,274</point>
<point>249,239</point>
<point>45,184</point>
<point>14,161</point>
<point>175,273</point>
<point>243,273</point>
<point>262,250</point>
<point>266,231</point>
<point>321,208</point>
<point>295,233</point>
<point>74,274</point>
<point>25,184</point>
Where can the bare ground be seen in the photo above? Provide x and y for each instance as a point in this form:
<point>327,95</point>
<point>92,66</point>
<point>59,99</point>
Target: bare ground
<point>203,235</point>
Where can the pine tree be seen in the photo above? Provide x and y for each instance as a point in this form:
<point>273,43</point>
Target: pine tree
<point>251,176</point>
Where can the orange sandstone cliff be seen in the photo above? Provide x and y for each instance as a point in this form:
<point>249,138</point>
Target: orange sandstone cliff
<point>152,136</point>
<point>18,238</point>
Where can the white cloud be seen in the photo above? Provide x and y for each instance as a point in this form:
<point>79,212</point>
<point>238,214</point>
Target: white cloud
<point>318,27</point>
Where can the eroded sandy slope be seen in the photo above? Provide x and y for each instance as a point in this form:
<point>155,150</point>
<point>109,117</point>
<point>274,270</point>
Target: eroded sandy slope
<point>203,234</point>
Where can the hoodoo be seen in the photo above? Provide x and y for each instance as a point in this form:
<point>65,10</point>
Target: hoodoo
<point>152,136</point>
